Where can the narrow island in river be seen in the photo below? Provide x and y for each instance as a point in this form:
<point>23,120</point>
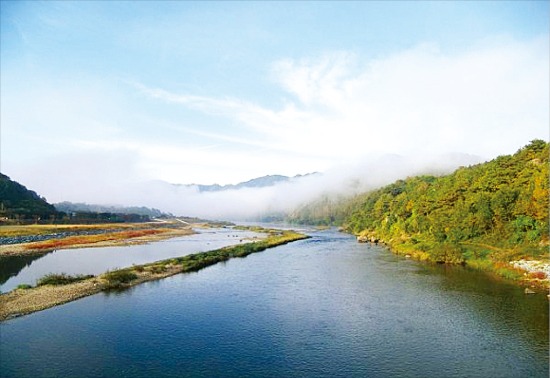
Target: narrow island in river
<point>56,289</point>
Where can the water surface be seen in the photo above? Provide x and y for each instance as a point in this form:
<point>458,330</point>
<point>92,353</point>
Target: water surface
<point>16,270</point>
<point>323,307</point>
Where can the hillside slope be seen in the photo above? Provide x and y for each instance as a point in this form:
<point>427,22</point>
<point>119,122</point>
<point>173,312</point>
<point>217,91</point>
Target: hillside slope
<point>489,213</point>
<point>16,201</point>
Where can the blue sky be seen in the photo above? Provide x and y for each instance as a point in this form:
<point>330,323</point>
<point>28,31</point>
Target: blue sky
<point>221,92</point>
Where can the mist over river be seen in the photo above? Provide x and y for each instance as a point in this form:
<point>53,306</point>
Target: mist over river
<point>322,307</point>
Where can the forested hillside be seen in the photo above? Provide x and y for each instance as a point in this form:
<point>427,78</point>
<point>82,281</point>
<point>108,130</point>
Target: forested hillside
<point>17,202</point>
<point>324,211</point>
<point>496,211</point>
<point>19,205</point>
<point>70,207</point>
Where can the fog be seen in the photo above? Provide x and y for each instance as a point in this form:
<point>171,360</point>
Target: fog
<point>108,106</point>
<point>250,203</point>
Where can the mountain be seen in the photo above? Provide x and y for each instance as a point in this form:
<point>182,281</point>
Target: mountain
<point>18,202</point>
<point>21,204</point>
<point>259,182</point>
<point>496,211</point>
<point>326,210</point>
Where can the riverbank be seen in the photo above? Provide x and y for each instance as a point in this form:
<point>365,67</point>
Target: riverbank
<point>531,273</point>
<point>40,239</point>
<point>20,302</point>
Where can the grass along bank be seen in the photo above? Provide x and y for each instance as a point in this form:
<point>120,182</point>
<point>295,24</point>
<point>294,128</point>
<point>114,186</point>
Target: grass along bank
<point>527,266</point>
<point>54,290</point>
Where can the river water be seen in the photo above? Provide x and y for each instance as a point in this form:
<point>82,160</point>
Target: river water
<point>322,307</point>
<point>17,270</point>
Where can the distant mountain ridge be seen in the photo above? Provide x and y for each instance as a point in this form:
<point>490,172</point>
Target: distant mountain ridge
<point>259,182</point>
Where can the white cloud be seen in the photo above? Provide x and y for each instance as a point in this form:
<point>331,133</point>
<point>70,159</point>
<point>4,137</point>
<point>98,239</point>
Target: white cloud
<point>248,202</point>
<point>405,101</point>
<point>336,110</point>
<point>317,81</point>
<point>488,100</point>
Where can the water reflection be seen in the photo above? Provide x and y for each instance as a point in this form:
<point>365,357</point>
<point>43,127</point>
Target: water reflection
<point>323,307</point>
<point>10,266</point>
<point>495,299</point>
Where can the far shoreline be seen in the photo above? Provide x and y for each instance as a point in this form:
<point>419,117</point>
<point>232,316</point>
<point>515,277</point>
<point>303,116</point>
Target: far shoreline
<point>135,234</point>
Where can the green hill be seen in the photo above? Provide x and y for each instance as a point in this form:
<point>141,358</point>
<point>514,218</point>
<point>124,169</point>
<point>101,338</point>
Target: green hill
<point>489,213</point>
<point>18,202</point>
<point>327,210</point>
<point>20,205</point>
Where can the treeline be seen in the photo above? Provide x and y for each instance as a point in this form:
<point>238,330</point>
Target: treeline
<point>327,210</point>
<point>71,207</point>
<point>83,217</point>
<point>19,205</point>
<point>497,209</point>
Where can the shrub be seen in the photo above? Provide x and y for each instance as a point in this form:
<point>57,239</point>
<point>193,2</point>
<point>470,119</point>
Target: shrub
<point>480,264</point>
<point>448,253</point>
<point>139,268</point>
<point>60,279</point>
<point>156,269</point>
<point>24,286</point>
<point>117,278</point>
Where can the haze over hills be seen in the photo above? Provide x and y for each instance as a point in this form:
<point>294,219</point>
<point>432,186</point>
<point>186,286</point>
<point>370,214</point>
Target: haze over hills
<point>398,122</point>
<point>310,198</point>
<point>255,97</point>
<point>266,197</point>
<point>259,182</point>
<point>21,204</point>
<point>494,211</point>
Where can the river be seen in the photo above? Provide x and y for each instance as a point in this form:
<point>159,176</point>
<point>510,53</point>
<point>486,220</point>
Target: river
<point>322,307</point>
<point>17,270</point>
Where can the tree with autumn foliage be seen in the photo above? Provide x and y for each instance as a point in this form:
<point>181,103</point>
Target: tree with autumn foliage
<point>501,205</point>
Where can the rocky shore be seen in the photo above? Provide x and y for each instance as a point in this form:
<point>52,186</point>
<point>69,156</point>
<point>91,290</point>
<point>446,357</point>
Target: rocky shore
<point>532,267</point>
<point>21,239</point>
<point>536,273</point>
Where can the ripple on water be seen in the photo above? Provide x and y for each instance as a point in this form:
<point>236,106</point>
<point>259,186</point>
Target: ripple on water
<point>324,307</point>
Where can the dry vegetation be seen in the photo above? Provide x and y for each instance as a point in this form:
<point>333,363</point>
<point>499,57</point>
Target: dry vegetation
<point>73,241</point>
<point>45,229</point>
<point>111,234</point>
